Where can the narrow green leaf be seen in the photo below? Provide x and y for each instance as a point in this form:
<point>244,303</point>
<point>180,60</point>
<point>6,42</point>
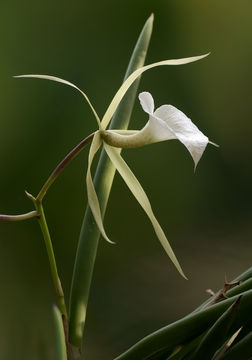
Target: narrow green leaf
<point>241,350</point>
<point>89,236</point>
<point>238,289</point>
<point>247,274</point>
<point>186,329</point>
<point>246,329</point>
<point>184,350</point>
<point>137,190</point>
<point>60,344</point>
<point>57,79</point>
<point>217,334</point>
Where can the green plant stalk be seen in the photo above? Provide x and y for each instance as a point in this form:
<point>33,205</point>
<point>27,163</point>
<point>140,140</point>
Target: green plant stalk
<point>20,217</point>
<point>89,235</point>
<point>62,165</point>
<point>49,247</point>
<point>186,329</point>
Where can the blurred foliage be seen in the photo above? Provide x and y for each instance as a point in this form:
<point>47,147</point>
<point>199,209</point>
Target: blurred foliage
<point>206,215</point>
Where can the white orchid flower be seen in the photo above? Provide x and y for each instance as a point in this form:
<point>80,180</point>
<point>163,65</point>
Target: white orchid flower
<point>165,123</point>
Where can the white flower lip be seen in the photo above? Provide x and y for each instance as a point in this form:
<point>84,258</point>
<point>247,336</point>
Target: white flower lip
<point>167,122</point>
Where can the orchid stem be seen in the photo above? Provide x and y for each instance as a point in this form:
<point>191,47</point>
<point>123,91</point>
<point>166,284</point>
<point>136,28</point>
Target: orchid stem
<point>62,165</point>
<point>20,217</point>
<point>49,247</point>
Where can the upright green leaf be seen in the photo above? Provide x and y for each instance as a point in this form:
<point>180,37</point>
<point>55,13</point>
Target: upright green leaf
<point>89,236</point>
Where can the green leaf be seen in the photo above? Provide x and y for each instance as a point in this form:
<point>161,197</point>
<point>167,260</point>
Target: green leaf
<point>186,329</point>
<point>137,190</point>
<point>238,289</point>
<point>217,334</point>
<point>89,236</point>
<point>241,350</point>
<point>180,352</point>
<point>60,344</point>
<point>247,274</point>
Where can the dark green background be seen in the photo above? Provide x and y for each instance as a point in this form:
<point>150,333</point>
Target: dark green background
<point>206,215</point>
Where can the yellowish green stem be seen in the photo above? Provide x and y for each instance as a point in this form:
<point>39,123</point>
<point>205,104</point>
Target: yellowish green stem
<point>49,247</point>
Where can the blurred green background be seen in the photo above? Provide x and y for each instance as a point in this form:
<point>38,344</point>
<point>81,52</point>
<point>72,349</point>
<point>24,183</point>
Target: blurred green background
<point>206,215</point>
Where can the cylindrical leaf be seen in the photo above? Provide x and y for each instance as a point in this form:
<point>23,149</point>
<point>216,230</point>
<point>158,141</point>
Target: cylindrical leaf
<point>60,344</point>
<point>89,237</point>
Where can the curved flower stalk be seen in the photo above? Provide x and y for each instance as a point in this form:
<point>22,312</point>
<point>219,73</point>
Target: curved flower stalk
<point>165,123</point>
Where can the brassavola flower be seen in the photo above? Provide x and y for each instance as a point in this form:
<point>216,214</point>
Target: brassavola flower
<point>165,123</point>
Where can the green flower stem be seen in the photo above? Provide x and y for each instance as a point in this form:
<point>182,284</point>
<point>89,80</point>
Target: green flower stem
<point>62,165</point>
<point>48,242</point>
<point>89,236</point>
<point>20,217</point>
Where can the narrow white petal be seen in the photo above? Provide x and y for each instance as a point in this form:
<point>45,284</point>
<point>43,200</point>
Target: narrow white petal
<point>127,83</point>
<point>179,126</point>
<point>137,190</point>
<point>147,102</point>
<point>92,196</point>
<point>57,79</point>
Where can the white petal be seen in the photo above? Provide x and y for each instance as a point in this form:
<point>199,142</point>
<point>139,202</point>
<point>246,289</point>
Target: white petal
<point>147,102</point>
<point>179,126</point>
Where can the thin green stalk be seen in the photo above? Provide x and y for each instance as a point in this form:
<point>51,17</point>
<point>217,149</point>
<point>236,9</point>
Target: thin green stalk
<point>49,247</point>
<point>20,217</point>
<point>62,165</point>
<point>89,236</point>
